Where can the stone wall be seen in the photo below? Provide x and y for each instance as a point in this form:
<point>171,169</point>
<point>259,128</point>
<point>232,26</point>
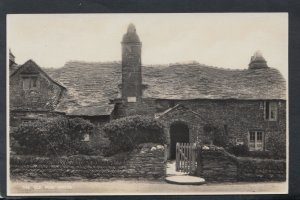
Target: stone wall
<point>43,97</point>
<point>232,118</point>
<point>147,162</point>
<point>141,107</point>
<point>131,70</point>
<point>17,117</point>
<point>144,162</point>
<point>217,165</point>
<point>261,170</point>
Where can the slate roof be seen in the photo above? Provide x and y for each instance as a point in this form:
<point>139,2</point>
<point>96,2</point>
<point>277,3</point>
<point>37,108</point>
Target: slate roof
<point>178,106</point>
<point>93,111</point>
<point>93,84</point>
<point>31,65</point>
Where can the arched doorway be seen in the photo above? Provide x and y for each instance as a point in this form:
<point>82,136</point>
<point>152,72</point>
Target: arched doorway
<point>179,132</point>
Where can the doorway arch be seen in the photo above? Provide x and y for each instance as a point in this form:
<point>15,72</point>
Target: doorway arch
<point>179,132</point>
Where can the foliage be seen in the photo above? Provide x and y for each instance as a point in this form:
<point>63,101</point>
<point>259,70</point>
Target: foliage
<point>53,136</point>
<point>243,151</point>
<point>214,135</point>
<point>99,142</point>
<point>276,145</point>
<point>239,150</point>
<point>259,154</point>
<point>126,133</point>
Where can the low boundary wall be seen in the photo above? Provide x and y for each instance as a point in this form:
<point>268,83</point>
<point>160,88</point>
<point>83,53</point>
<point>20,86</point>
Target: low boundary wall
<point>217,165</point>
<point>144,162</point>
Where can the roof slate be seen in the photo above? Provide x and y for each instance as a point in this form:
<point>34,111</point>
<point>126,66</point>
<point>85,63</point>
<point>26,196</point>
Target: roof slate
<point>93,84</point>
<point>31,67</point>
<point>13,68</point>
<point>93,111</point>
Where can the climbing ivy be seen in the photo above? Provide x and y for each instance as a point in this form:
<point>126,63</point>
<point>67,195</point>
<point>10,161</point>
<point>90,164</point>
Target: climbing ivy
<point>126,133</point>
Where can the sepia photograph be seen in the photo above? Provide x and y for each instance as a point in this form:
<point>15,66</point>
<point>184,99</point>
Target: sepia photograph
<point>147,104</point>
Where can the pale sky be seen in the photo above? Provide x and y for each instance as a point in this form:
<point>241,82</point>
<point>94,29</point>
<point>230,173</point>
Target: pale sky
<point>215,39</point>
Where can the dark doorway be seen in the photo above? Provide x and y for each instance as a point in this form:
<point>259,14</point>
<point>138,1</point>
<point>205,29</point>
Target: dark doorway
<point>179,132</point>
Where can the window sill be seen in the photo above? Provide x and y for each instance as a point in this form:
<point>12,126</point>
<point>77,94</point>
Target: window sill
<point>270,120</point>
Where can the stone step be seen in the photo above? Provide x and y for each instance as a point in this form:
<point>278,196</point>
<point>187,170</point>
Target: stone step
<point>185,180</point>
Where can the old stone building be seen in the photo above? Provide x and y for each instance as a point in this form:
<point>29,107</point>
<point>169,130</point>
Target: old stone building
<point>32,92</point>
<point>193,101</point>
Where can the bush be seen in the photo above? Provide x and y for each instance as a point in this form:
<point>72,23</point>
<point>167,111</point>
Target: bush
<point>214,135</point>
<point>99,142</point>
<point>243,151</point>
<point>126,133</point>
<point>259,154</point>
<point>53,137</point>
<point>239,150</point>
<point>277,145</point>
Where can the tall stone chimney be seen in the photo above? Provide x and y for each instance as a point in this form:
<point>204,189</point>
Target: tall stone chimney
<point>257,61</point>
<point>131,88</point>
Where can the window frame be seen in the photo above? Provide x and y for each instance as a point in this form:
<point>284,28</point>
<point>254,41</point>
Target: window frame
<point>269,108</point>
<point>258,140</point>
<point>31,82</point>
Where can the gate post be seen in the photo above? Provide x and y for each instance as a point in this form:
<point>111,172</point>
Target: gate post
<point>166,153</point>
<point>177,156</point>
<point>199,160</point>
<point>194,157</point>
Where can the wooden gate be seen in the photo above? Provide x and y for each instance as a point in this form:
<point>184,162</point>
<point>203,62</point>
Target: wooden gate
<point>186,154</point>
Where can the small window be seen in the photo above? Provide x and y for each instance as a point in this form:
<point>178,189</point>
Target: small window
<point>256,141</point>
<point>34,82</point>
<point>271,111</point>
<point>259,136</point>
<point>30,83</point>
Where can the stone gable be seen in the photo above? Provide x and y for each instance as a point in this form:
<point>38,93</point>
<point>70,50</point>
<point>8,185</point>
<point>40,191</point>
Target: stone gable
<point>31,89</point>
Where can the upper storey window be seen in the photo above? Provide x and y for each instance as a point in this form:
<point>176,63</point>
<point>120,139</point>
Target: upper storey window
<point>271,111</point>
<point>30,83</point>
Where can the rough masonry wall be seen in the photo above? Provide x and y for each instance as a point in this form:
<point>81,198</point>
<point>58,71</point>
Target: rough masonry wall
<point>147,162</point>
<point>234,118</point>
<point>45,97</point>
<point>217,165</point>
<point>17,117</point>
<point>142,107</point>
<point>131,70</point>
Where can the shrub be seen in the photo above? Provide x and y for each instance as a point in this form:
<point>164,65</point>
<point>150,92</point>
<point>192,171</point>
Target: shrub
<point>99,142</point>
<point>239,150</point>
<point>126,133</point>
<point>259,154</point>
<point>277,145</point>
<point>53,137</point>
<point>243,151</point>
<point>214,135</point>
